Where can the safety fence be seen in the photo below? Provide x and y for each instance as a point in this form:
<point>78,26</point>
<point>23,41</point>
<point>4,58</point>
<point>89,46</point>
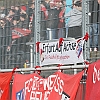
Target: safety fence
<point>24,23</point>
<point>33,21</point>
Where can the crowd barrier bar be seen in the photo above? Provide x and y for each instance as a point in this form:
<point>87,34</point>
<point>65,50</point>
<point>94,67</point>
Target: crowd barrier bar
<point>46,68</point>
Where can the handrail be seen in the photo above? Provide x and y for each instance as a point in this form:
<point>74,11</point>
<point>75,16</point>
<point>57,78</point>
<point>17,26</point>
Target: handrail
<point>46,68</point>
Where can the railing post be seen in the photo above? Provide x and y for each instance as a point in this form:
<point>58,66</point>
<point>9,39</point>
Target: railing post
<point>37,31</point>
<point>85,21</point>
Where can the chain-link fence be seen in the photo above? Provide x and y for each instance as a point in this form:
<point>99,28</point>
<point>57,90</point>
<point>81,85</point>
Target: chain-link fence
<point>23,23</point>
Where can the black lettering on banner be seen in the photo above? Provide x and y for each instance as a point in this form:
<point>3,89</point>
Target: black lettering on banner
<point>65,46</point>
<point>73,46</point>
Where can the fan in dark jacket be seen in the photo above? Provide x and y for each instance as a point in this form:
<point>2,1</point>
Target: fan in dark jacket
<point>52,22</point>
<point>5,41</point>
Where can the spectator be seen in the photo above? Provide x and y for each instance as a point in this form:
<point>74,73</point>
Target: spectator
<point>23,22</point>
<point>10,15</point>
<point>5,41</point>
<point>2,43</point>
<point>45,6</point>
<point>4,10</point>
<point>68,8</point>
<point>52,22</point>
<point>75,22</point>
<point>23,9</point>
<point>17,13</point>
<point>2,15</point>
<point>99,1</point>
<point>46,3</point>
<point>44,17</point>
<point>94,27</point>
<point>61,25</point>
<point>20,43</point>
<point>15,22</point>
<point>31,16</point>
<point>9,18</point>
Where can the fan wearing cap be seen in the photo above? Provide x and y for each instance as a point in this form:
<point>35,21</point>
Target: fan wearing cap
<point>37,71</point>
<point>23,9</point>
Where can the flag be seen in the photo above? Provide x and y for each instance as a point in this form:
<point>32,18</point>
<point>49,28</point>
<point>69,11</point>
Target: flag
<point>5,79</point>
<point>58,86</point>
<point>18,32</point>
<point>93,82</point>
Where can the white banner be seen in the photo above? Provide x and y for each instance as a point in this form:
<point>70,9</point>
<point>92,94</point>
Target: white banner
<point>69,52</point>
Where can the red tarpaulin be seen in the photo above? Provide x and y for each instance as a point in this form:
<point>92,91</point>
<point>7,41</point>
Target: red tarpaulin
<point>80,92</point>
<point>56,87</point>
<point>18,32</point>
<point>93,82</point>
<point>5,85</point>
